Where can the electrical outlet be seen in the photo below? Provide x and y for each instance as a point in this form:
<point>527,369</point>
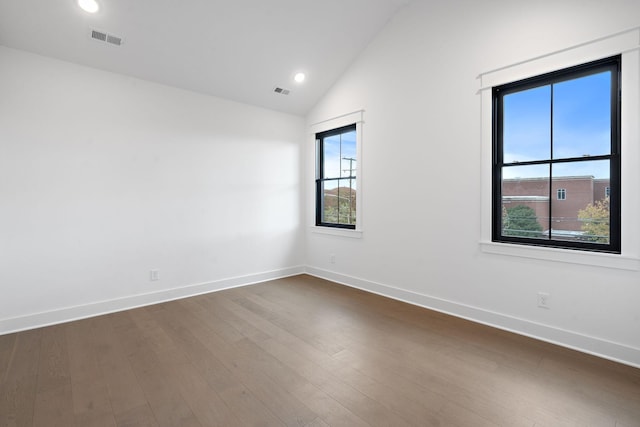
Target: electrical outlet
<point>543,300</point>
<point>332,258</point>
<point>154,275</point>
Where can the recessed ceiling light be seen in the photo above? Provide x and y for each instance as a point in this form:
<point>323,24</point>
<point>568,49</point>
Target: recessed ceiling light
<point>90,6</point>
<point>299,77</point>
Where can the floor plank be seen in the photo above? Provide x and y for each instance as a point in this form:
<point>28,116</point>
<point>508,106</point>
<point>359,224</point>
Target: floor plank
<point>18,387</point>
<point>7,346</point>
<point>91,402</point>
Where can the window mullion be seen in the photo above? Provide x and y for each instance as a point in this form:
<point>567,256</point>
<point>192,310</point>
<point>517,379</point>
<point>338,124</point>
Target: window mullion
<point>551,157</point>
<point>339,175</point>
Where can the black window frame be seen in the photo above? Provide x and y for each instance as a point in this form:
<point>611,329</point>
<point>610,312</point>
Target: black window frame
<point>320,179</point>
<point>613,64</point>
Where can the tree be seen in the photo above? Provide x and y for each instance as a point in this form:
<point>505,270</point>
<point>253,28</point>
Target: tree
<point>520,221</point>
<point>506,224</point>
<point>595,221</point>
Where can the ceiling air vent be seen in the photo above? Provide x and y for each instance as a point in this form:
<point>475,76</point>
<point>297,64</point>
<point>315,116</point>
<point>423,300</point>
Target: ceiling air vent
<point>104,37</point>
<point>114,40</point>
<point>98,35</point>
<point>281,91</point>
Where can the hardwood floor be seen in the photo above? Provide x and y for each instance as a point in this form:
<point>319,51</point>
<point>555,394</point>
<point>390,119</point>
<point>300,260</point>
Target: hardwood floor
<point>302,352</point>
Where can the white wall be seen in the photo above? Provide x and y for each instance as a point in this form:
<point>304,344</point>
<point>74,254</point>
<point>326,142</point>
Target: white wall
<point>422,170</point>
<point>105,177</point>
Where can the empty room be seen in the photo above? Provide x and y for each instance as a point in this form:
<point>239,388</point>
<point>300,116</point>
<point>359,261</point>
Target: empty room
<point>320,213</point>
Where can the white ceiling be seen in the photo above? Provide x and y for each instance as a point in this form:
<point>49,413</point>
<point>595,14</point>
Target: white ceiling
<point>234,49</point>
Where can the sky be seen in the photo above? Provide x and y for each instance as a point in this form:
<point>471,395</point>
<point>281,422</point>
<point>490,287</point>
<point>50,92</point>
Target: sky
<point>581,126</point>
<point>337,149</point>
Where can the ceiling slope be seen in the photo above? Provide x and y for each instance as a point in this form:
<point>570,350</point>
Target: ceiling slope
<point>239,50</point>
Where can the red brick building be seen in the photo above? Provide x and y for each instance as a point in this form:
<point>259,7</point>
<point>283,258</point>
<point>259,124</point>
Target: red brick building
<point>570,194</point>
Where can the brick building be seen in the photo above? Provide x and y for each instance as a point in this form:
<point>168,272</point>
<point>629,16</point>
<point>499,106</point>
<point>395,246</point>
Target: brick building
<point>570,194</point>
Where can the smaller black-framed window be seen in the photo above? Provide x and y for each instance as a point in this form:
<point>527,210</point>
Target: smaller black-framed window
<point>607,192</point>
<point>562,194</point>
<point>336,181</point>
<point>559,131</point>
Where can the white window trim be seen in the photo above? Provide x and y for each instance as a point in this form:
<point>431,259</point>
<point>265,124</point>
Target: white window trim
<point>356,117</point>
<point>626,43</point>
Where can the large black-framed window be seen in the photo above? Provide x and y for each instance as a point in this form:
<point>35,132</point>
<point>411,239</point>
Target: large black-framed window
<point>336,183</point>
<point>559,133</point>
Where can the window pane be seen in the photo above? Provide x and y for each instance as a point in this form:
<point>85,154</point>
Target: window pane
<point>527,125</point>
<point>339,201</point>
<point>525,201</point>
<point>582,116</point>
<point>584,213</point>
<point>347,201</point>
<point>348,156</point>
<point>329,202</point>
<point>331,156</point>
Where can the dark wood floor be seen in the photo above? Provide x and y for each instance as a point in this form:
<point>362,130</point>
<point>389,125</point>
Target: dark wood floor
<point>302,352</point>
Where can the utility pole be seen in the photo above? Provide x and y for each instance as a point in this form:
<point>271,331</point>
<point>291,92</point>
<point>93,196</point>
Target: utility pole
<point>351,160</point>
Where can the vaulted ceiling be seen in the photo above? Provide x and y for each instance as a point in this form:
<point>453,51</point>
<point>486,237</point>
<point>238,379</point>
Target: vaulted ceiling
<point>236,49</point>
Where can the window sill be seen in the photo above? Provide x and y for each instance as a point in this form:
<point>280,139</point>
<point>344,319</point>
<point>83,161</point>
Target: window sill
<point>562,255</point>
<point>342,232</point>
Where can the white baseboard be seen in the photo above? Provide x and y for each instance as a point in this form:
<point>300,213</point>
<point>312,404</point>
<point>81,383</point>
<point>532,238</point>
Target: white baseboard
<point>586,344</point>
<point>595,346</point>
<point>68,314</point>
